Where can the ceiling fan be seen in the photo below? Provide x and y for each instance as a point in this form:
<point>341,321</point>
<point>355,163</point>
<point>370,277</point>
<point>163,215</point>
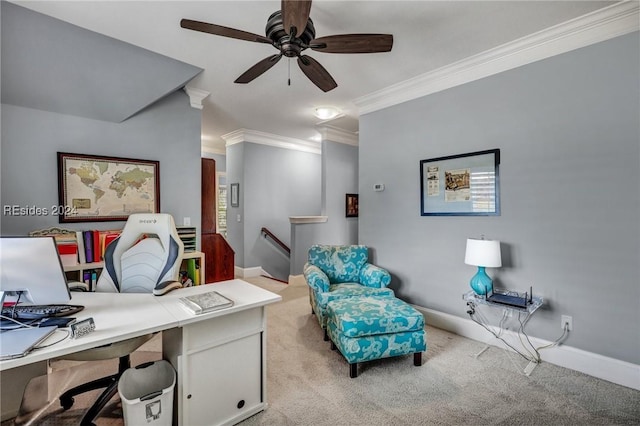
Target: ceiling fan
<point>291,31</point>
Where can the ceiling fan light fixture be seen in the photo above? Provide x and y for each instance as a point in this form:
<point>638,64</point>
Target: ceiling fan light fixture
<point>326,112</point>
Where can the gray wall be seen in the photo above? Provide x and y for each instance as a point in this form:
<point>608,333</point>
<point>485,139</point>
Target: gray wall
<point>340,177</point>
<point>168,131</point>
<point>221,160</point>
<point>568,130</point>
<point>275,183</point>
<point>235,227</point>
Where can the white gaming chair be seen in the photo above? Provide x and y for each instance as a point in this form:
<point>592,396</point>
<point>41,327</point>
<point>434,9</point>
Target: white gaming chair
<point>135,264</point>
<point>145,257</point>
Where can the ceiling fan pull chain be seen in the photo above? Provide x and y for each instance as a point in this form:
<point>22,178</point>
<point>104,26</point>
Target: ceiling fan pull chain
<point>289,72</point>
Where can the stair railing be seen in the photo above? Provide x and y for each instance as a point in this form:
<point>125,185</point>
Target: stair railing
<point>276,240</point>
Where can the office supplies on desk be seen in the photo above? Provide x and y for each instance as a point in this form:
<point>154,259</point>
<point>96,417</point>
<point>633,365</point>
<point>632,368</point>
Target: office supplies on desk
<point>18,343</point>
<point>29,312</point>
<point>59,322</point>
<point>206,302</point>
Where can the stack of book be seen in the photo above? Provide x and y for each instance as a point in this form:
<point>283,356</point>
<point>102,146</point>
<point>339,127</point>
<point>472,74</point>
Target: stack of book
<point>188,236</point>
<point>67,248</point>
<point>92,244</point>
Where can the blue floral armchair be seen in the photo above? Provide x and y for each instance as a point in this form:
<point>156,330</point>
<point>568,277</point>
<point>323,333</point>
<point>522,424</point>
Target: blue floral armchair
<point>338,272</point>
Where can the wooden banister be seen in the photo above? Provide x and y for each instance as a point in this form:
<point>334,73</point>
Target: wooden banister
<point>275,239</point>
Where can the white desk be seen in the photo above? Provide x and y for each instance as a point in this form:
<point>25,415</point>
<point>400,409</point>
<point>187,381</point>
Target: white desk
<point>229,344</point>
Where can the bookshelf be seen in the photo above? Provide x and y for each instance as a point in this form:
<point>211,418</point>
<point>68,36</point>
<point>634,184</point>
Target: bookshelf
<point>76,272</point>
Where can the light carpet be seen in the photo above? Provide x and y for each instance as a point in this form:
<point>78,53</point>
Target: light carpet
<point>309,384</point>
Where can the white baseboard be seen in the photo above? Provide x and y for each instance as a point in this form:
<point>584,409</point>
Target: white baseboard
<point>256,271</point>
<point>606,368</point>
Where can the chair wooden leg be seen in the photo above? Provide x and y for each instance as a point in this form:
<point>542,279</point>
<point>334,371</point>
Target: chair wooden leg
<point>417,359</point>
<point>353,370</point>
<point>326,335</point>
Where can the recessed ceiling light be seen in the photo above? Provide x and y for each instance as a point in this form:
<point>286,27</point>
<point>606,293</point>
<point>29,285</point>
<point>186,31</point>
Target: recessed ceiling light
<point>326,112</point>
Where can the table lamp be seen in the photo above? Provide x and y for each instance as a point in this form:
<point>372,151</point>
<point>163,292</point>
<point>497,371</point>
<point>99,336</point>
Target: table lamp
<point>483,254</point>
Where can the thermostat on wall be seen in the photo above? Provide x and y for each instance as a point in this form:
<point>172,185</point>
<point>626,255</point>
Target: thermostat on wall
<point>378,187</point>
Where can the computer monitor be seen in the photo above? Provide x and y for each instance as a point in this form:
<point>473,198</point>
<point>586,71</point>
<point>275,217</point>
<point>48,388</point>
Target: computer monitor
<point>32,265</point>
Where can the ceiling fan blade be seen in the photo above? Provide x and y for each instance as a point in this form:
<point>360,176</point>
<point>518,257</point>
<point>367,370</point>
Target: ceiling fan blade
<point>295,13</point>
<point>222,31</point>
<point>316,73</point>
<point>353,43</point>
<point>258,69</point>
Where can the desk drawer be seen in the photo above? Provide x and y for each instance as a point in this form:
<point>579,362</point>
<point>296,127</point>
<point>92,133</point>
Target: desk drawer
<point>223,383</point>
<point>223,329</point>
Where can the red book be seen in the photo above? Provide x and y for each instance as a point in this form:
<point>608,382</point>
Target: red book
<point>68,253</point>
<point>109,238</point>
<point>69,248</point>
<point>97,255</point>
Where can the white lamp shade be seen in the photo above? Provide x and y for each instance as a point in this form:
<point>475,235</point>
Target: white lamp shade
<point>483,253</point>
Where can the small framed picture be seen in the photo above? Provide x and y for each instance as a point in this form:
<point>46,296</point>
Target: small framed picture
<point>235,195</point>
<point>351,203</point>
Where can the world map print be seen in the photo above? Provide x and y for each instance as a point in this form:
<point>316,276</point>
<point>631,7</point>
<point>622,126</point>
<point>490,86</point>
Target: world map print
<point>109,189</point>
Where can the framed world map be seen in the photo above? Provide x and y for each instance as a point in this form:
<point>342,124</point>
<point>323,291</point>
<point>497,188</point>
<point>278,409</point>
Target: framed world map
<point>94,188</point>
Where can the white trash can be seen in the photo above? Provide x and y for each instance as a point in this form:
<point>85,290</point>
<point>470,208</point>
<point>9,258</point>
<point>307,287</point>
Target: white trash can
<point>146,392</point>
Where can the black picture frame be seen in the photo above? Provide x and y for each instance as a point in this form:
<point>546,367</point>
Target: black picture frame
<point>235,195</point>
<point>351,205</point>
<point>97,188</point>
<point>461,185</point>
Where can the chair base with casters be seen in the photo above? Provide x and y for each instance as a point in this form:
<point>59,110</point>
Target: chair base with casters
<point>119,350</point>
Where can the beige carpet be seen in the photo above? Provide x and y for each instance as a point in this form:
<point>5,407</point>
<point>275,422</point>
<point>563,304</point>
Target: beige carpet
<point>308,384</point>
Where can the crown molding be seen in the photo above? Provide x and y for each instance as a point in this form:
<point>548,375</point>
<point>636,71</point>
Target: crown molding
<point>333,134</point>
<point>600,25</point>
<point>211,150</point>
<point>262,138</point>
<point>196,96</point>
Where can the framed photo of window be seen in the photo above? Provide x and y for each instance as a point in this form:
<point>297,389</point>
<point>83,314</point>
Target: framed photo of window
<point>461,185</point>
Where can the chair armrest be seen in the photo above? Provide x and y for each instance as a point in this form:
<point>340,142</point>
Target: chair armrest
<point>374,276</point>
<point>316,279</point>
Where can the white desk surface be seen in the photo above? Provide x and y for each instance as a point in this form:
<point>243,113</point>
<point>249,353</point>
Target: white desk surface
<point>120,316</point>
<point>243,294</point>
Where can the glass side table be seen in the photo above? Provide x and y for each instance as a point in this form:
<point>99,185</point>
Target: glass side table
<point>472,297</point>
<point>474,300</point>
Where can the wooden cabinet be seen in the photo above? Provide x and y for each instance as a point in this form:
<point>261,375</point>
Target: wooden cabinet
<point>222,364</point>
<point>219,255</point>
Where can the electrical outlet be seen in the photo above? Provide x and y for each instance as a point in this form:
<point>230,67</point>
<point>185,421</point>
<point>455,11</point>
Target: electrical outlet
<point>566,319</point>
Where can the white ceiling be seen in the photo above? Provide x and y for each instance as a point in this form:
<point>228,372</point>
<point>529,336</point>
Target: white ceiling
<point>427,35</point>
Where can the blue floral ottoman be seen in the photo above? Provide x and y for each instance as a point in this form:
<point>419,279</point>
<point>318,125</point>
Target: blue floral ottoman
<point>368,328</point>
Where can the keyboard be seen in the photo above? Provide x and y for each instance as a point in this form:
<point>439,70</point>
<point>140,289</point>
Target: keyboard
<point>31,312</point>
